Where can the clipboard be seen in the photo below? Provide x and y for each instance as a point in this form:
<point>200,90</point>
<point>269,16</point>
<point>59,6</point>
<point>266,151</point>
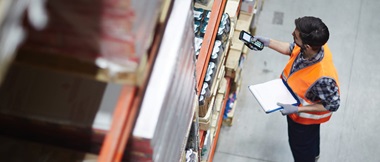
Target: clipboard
<point>269,93</point>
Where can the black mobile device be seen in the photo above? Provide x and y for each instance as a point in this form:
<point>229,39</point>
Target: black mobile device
<point>249,42</point>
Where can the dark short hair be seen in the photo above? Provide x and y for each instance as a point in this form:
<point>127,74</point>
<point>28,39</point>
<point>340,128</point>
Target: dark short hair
<point>312,31</point>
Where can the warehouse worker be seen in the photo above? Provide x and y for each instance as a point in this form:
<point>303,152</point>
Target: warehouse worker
<point>311,74</point>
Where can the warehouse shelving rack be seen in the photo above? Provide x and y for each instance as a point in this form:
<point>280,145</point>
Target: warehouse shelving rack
<point>116,139</point>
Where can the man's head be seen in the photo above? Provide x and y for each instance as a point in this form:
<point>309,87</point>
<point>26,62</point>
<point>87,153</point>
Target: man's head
<point>310,32</point>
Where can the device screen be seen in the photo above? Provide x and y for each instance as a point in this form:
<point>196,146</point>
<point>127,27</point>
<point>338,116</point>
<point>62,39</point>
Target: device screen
<point>247,37</point>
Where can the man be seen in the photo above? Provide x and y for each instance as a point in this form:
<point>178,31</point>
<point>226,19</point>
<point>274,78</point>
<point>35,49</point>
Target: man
<point>311,74</point>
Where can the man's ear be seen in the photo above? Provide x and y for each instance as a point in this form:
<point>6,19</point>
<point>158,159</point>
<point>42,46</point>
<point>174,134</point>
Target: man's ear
<point>307,46</point>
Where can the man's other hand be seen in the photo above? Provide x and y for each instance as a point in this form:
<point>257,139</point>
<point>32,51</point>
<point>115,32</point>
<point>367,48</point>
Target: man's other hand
<point>288,109</point>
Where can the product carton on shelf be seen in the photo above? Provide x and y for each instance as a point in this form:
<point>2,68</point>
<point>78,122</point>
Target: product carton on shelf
<point>114,36</point>
<point>36,103</point>
<point>40,94</point>
<point>244,21</point>
<point>233,10</point>
<point>236,43</point>
<point>232,62</point>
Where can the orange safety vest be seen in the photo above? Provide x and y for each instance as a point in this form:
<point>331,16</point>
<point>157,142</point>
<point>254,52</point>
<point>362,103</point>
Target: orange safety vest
<point>302,80</point>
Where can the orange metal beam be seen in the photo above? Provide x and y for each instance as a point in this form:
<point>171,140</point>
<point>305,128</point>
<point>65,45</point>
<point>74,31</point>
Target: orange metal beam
<point>111,143</point>
<point>128,128</point>
<point>140,94</point>
<point>220,119</point>
<point>201,138</point>
<point>208,41</point>
<point>206,49</point>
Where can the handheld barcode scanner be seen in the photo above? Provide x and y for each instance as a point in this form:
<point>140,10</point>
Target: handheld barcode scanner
<point>249,41</point>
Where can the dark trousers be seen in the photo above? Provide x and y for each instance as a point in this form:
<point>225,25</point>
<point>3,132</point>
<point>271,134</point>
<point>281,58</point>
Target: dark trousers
<point>303,141</point>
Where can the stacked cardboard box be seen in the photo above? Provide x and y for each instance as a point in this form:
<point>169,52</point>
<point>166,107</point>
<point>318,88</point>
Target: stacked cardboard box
<point>115,35</point>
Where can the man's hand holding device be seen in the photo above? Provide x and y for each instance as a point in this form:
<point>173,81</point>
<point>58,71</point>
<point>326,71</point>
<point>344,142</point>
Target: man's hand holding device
<point>254,43</point>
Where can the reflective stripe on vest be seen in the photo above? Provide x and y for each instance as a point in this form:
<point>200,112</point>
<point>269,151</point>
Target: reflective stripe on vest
<point>314,116</point>
<point>309,115</point>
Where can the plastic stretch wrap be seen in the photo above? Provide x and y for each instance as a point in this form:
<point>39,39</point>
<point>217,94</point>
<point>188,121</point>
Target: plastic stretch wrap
<point>113,33</point>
